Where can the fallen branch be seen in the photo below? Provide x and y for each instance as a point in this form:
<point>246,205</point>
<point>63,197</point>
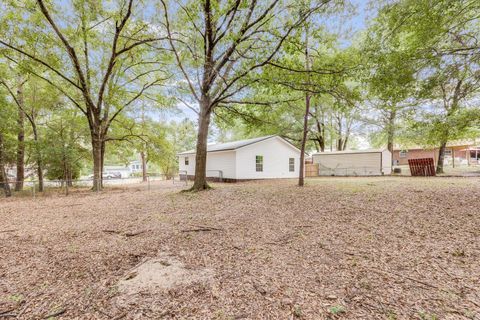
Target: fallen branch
<point>11,230</point>
<point>55,314</point>
<point>424,283</point>
<point>135,233</point>
<point>202,228</point>
<point>126,234</point>
<point>7,313</point>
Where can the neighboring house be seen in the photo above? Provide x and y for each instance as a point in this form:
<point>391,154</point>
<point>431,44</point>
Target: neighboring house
<point>125,171</point>
<point>267,157</point>
<point>456,153</point>
<point>354,163</point>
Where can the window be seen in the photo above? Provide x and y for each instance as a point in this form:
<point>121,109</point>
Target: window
<point>259,163</point>
<point>291,164</point>
<point>475,154</point>
<point>448,152</point>
<point>186,161</point>
<point>403,153</point>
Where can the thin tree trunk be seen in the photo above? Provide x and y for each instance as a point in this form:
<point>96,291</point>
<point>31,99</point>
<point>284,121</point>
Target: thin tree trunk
<point>65,174</point>
<point>144,166</point>
<point>20,141</point>
<point>200,182</point>
<point>339,138</point>
<point>38,156</point>
<point>441,157</point>
<point>301,174</point>
<point>3,173</point>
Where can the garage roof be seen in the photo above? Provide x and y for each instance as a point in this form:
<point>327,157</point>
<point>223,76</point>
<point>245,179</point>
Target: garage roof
<point>350,151</point>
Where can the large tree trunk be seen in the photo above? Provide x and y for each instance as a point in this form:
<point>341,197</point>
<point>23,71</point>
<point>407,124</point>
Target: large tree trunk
<point>391,132</point>
<point>3,173</point>
<point>441,157</point>
<point>104,148</point>
<point>97,162</point>
<point>144,166</point>
<point>200,182</point>
<point>20,141</point>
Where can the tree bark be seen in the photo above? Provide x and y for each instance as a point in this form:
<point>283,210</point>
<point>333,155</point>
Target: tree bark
<point>441,157</point>
<point>200,182</point>
<point>3,173</point>
<point>102,160</point>
<point>97,162</point>
<point>391,132</point>
<point>144,166</point>
<point>20,140</point>
<point>38,156</point>
<point>301,174</point>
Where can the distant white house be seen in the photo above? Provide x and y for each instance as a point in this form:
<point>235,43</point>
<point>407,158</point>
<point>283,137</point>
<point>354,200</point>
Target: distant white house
<point>125,171</point>
<point>269,157</point>
<point>354,163</point>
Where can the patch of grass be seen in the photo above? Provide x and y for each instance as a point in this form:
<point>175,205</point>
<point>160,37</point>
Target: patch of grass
<point>337,310</point>
<point>391,315</point>
<point>458,253</point>
<point>16,298</point>
<point>427,316</point>
<point>297,312</point>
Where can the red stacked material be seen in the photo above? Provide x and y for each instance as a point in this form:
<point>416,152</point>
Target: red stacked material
<point>422,167</point>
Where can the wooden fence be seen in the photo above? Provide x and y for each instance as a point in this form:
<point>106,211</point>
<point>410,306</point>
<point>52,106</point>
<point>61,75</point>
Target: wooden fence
<point>311,170</point>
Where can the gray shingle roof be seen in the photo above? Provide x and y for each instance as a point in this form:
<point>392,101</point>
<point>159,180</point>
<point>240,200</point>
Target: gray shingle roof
<point>229,145</point>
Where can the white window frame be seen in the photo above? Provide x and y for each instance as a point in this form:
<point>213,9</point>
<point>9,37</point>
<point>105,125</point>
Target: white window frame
<point>448,152</point>
<point>403,153</point>
<point>187,161</point>
<point>258,163</point>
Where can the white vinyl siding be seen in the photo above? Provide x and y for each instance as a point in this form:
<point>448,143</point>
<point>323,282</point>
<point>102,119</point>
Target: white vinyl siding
<point>272,156</point>
<point>276,154</point>
<point>223,161</point>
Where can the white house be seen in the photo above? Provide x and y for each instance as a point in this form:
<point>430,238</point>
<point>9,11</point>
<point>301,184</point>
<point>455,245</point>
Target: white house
<point>354,163</point>
<point>125,171</point>
<point>267,157</point>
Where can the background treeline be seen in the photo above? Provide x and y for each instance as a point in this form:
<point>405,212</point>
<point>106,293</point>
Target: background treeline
<point>84,83</point>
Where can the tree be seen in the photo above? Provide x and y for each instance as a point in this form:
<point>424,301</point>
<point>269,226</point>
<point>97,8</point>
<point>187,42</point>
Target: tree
<point>390,80</point>
<point>94,85</point>
<point>6,123</point>
<point>220,49</point>
<point>442,38</point>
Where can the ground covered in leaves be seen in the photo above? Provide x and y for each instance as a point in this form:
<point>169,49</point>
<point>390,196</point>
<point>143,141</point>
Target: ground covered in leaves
<point>339,248</point>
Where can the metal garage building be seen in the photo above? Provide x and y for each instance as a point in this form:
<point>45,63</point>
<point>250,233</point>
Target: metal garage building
<point>354,163</point>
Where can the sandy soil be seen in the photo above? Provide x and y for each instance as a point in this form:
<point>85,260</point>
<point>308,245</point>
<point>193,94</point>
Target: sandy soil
<point>340,248</point>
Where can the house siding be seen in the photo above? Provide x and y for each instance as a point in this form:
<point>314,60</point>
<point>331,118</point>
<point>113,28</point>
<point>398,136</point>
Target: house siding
<point>223,161</point>
<point>276,153</point>
<point>459,152</point>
